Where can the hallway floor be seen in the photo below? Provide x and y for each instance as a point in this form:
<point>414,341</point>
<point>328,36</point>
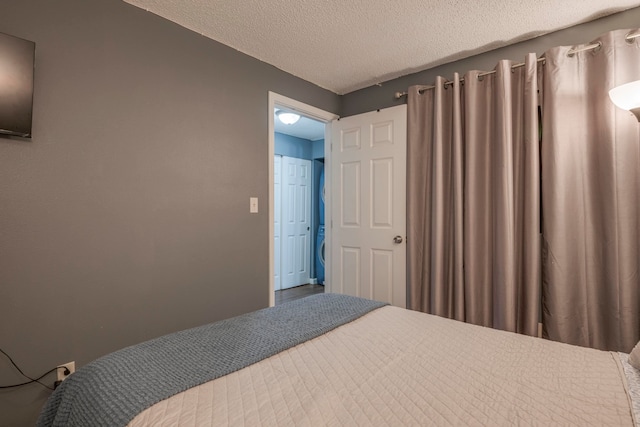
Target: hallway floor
<point>298,292</point>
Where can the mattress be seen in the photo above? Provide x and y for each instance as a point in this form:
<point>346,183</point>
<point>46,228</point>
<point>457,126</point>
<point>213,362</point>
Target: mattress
<point>398,367</point>
<point>112,390</point>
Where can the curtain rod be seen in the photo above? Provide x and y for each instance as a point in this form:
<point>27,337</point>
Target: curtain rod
<point>629,38</point>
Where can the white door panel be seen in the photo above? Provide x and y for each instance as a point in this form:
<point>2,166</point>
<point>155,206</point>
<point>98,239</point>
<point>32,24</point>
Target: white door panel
<point>277,225</point>
<point>368,162</point>
<point>296,222</point>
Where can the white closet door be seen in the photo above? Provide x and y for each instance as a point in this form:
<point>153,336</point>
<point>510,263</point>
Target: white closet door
<point>277,226</point>
<point>296,222</point>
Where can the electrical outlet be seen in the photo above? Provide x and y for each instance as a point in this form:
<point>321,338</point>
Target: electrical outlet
<point>71,366</point>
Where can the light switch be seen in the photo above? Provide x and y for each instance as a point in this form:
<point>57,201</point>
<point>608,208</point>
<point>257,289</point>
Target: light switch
<point>253,204</point>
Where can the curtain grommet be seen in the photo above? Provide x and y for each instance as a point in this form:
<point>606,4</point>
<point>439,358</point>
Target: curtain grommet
<point>631,36</point>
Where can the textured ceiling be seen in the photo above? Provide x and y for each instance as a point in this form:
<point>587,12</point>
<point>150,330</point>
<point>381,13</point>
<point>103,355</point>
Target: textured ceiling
<point>345,45</point>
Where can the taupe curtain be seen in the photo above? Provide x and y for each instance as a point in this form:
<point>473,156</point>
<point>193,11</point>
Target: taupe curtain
<point>474,198</point>
<point>591,194</point>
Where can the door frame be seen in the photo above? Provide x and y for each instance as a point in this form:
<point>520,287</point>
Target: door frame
<point>277,100</point>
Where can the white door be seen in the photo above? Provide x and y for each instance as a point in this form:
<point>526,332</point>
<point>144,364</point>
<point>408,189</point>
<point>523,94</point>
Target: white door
<point>277,222</point>
<point>296,222</point>
<point>368,206</point>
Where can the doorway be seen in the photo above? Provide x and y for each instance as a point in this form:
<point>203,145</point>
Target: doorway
<point>276,252</point>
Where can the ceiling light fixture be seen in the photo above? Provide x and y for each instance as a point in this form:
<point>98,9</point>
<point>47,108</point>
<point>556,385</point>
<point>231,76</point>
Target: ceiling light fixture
<point>287,118</point>
<point>627,97</point>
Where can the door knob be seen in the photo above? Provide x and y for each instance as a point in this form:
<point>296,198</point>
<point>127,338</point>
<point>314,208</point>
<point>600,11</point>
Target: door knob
<point>397,239</point>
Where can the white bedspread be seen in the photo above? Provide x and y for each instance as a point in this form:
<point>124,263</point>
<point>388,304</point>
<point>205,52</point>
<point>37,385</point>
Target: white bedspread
<point>400,368</point>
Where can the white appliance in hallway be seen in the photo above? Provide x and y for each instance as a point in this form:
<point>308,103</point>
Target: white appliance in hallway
<point>292,222</point>
<point>320,241</point>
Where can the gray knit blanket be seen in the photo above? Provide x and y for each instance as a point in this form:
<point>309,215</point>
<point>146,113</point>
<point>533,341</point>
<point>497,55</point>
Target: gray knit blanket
<point>112,390</point>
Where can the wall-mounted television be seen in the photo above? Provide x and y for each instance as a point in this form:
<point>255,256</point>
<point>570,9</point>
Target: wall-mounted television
<point>17,58</point>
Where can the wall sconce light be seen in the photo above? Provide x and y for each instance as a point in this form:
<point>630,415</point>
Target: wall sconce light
<point>286,117</point>
<point>627,97</point>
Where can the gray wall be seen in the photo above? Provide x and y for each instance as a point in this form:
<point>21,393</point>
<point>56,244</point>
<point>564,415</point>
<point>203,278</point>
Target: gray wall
<point>127,215</point>
<point>376,97</point>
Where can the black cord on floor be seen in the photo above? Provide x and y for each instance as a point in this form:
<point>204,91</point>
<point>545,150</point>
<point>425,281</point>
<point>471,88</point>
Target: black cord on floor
<point>31,380</point>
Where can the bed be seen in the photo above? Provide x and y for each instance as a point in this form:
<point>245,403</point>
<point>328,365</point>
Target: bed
<point>337,360</point>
